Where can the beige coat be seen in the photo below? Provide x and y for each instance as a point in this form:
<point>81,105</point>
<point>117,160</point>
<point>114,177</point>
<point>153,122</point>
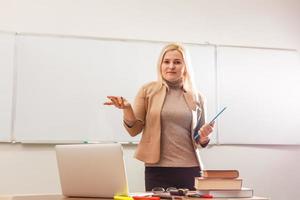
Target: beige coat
<point>147,109</point>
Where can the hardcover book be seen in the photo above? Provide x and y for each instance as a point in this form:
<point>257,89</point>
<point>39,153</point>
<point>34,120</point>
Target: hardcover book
<point>217,184</point>
<point>220,173</point>
<point>243,192</point>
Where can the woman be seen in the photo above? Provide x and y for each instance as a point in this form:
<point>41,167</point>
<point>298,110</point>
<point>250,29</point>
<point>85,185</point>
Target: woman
<point>167,111</point>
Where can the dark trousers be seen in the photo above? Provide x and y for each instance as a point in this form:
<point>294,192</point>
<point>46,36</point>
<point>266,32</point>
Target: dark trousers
<point>178,177</point>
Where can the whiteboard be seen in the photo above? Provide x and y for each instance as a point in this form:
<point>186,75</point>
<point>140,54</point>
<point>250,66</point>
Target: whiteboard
<point>63,82</point>
<point>261,89</point>
<point>204,67</point>
<point>7,41</point>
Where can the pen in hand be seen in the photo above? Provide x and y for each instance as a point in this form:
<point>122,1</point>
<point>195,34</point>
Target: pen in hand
<point>211,124</point>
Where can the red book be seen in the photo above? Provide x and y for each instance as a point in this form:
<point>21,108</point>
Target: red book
<point>220,173</point>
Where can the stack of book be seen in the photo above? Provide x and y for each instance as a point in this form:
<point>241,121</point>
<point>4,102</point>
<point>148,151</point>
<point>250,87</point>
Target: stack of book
<point>222,183</point>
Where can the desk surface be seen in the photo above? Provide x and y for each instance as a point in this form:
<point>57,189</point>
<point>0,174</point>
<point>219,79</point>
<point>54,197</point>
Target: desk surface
<point>60,197</point>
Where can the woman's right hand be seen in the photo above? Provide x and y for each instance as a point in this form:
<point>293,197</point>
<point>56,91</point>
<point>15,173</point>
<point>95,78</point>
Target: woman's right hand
<point>117,101</point>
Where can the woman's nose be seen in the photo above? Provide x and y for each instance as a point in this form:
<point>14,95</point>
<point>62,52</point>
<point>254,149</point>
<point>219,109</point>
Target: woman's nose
<point>171,66</point>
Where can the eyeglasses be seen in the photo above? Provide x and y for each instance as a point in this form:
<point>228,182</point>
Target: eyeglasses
<point>169,191</point>
<point>161,189</point>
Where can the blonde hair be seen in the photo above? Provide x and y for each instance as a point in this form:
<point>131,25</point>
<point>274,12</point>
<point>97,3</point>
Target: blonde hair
<point>188,81</point>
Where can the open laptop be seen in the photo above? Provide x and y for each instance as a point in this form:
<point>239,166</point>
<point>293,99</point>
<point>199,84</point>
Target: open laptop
<point>91,170</point>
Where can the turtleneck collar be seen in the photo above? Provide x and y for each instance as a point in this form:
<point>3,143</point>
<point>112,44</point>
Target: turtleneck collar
<point>178,84</point>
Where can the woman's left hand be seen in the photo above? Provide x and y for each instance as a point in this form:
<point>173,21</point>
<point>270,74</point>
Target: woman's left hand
<point>206,130</point>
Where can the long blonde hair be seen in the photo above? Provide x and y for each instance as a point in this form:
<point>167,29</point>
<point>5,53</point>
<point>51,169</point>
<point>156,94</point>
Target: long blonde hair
<point>188,81</point>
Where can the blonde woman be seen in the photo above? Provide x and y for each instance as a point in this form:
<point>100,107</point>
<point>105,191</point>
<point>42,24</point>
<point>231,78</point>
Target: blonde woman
<point>167,111</point>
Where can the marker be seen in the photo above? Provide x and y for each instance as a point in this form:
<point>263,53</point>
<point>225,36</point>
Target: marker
<point>121,197</point>
<point>206,196</point>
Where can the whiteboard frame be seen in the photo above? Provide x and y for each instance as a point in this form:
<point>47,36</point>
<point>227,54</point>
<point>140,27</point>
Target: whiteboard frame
<point>9,135</point>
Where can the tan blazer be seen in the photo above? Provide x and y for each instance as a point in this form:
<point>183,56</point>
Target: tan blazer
<point>147,109</point>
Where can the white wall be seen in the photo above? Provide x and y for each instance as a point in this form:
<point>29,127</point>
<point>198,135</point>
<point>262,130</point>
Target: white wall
<point>271,170</point>
<point>273,23</point>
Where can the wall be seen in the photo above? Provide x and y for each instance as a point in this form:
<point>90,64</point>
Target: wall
<point>270,170</point>
<point>272,23</point>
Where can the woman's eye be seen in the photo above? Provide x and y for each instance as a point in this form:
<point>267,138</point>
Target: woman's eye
<point>177,62</point>
<point>166,62</point>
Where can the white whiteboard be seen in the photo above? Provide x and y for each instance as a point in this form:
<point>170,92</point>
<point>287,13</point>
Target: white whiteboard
<point>63,82</point>
<point>204,67</point>
<point>7,41</point>
<point>261,89</point>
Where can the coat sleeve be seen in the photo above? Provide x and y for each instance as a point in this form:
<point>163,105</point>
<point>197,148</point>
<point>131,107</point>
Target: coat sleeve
<point>202,105</point>
<point>139,109</point>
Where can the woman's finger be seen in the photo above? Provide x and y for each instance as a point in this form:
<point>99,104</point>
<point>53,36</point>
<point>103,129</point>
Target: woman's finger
<point>108,103</point>
<point>115,102</point>
<point>206,130</point>
<point>120,101</point>
<point>209,129</point>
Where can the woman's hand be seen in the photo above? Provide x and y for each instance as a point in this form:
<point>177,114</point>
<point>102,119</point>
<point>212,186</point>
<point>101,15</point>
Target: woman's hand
<point>118,101</point>
<point>205,131</point>
<point>121,103</point>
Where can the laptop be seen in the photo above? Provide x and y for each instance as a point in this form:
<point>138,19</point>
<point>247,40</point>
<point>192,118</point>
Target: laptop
<point>91,170</point>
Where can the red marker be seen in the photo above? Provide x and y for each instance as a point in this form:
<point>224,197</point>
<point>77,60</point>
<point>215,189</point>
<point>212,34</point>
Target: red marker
<point>206,196</point>
<point>145,198</point>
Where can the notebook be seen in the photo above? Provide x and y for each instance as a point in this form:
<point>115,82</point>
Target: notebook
<point>91,170</point>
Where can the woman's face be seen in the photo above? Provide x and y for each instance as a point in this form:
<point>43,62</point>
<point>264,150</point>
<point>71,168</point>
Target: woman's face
<point>173,66</point>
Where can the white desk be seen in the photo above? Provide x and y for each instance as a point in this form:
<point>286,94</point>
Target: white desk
<point>60,197</point>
